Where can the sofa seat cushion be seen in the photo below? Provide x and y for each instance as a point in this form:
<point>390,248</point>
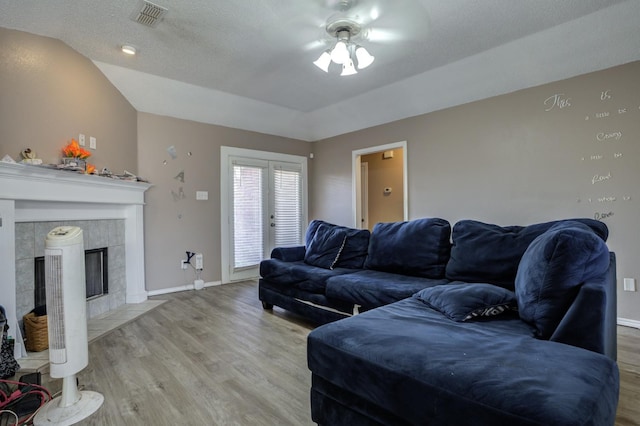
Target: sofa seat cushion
<point>460,301</point>
<point>371,289</point>
<point>419,247</point>
<point>487,253</point>
<point>299,274</point>
<point>411,361</point>
<point>552,270</point>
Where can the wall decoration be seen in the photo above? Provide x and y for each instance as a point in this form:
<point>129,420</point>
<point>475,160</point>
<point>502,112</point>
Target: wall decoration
<point>177,196</point>
<point>172,152</point>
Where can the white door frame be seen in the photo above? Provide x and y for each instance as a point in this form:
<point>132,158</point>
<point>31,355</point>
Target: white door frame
<point>364,195</point>
<point>356,202</point>
<point>225,195</point>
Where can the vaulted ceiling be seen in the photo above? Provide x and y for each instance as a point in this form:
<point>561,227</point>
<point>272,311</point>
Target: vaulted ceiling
<point>248,64</point>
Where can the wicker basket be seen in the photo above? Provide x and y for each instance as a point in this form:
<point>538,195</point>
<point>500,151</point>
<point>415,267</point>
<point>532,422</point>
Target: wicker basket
<point>37,332</point>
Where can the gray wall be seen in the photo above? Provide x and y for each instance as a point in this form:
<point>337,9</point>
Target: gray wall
<point>49,94</point>
<point>174,225</point>
<point>506,160</point>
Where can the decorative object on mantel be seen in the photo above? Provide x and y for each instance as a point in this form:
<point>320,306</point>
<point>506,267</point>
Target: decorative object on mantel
<point>75,157</point>
<point>29,157</point>
<point>7,159</point>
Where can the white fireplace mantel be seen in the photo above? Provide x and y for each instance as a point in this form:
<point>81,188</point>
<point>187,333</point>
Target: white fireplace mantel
<point>34,193</point>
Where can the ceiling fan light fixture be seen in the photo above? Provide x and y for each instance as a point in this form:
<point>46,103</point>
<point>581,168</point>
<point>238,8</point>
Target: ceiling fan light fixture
<point>340,53</point>
<point>364,57</point>
<point>323,61</point>
<point>344,51</point>
<point>348,68</point>
<point>128,49</point>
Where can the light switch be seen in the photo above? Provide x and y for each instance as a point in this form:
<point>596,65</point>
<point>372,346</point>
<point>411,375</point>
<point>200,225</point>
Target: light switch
<point>92,142</point>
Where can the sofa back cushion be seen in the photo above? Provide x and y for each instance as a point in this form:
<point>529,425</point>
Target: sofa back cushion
<point>419,247</point>
<point>487,253</point>
<point>552,270</point>
<point>353,251</point>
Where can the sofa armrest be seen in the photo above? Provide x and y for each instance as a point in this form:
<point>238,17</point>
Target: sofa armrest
<point>288,254</point>
<point>590,322</point>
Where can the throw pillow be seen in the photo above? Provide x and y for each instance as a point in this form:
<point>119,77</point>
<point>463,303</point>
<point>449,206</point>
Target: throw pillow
<point>552,270</point>
<point>324,248</point>
<point>464,301</point>
<point>354,250</point>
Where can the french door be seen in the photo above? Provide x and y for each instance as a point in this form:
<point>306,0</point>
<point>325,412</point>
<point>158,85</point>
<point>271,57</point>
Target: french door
<point>266,207</point>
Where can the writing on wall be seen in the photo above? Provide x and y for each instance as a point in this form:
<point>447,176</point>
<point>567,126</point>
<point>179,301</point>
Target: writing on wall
<point>605,143</point>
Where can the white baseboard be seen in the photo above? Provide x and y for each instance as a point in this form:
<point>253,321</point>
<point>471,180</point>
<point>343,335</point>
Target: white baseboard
<point>629,322</point>
<point>185,287</point>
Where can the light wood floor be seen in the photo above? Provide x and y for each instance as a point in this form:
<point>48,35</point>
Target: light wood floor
<point>214,357</point>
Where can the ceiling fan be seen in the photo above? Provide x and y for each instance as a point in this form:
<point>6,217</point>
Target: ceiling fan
<point>355,23</point>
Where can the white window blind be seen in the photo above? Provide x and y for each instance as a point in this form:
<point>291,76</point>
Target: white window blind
<point>248,215</point>
<point>287,193</point>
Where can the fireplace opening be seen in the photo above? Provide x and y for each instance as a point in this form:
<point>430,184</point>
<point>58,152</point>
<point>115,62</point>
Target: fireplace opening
<point>96,273</point>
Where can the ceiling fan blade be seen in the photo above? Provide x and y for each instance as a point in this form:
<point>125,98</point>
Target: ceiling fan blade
<point>316,45</point>
<point>381,22</point>
<point>382,35</point>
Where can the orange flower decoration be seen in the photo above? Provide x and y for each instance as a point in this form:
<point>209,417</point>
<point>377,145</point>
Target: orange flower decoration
<point>90,169</point>
<point>74,150</point>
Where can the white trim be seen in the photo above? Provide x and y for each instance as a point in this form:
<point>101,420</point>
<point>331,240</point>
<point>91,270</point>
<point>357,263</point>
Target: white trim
<point>180,288</point>
<point>38,183</point>
<point>629,322</point>
<point>356,198</point>
<point>324,308</point>
<point>363,214</point>
<point>225,213</point>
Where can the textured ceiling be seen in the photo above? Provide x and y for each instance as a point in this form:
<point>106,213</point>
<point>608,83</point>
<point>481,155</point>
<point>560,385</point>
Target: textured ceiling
<point>257,55</point>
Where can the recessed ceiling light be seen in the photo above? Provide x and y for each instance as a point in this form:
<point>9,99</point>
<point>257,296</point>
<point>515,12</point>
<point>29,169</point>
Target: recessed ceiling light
<point>128,49</point>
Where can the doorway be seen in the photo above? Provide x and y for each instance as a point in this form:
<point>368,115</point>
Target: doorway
<point>263,206</point>
<point>380,184</point>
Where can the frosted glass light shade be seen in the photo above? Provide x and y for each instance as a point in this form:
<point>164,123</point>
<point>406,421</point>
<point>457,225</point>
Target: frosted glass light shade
<point>323,61</point>
<point>128,49</point>
<point>364,58</point>
<point>348,68</point>
<point>340,53</point>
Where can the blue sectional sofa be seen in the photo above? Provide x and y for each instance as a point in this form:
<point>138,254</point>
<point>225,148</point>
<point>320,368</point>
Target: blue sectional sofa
<point>479,324</point>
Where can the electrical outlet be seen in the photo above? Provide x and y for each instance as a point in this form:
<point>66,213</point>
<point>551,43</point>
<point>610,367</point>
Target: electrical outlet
<point>183,264</point>
<point>629,284</point>
<point>92,143</point>
<point>199,261</point>
<point>81,141</point>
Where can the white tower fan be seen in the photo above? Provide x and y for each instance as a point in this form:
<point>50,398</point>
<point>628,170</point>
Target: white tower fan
<point>67,322</point>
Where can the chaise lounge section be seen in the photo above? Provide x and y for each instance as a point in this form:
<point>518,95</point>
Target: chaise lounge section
<point>481,354</point>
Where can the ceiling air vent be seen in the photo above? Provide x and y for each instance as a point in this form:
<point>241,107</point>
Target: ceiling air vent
<point>148,14</point>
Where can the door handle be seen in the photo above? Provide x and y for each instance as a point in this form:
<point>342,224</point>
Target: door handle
<point>273,225</point>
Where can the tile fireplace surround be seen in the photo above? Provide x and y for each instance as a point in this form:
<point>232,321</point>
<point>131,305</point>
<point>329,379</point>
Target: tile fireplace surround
<point>40,194</point>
